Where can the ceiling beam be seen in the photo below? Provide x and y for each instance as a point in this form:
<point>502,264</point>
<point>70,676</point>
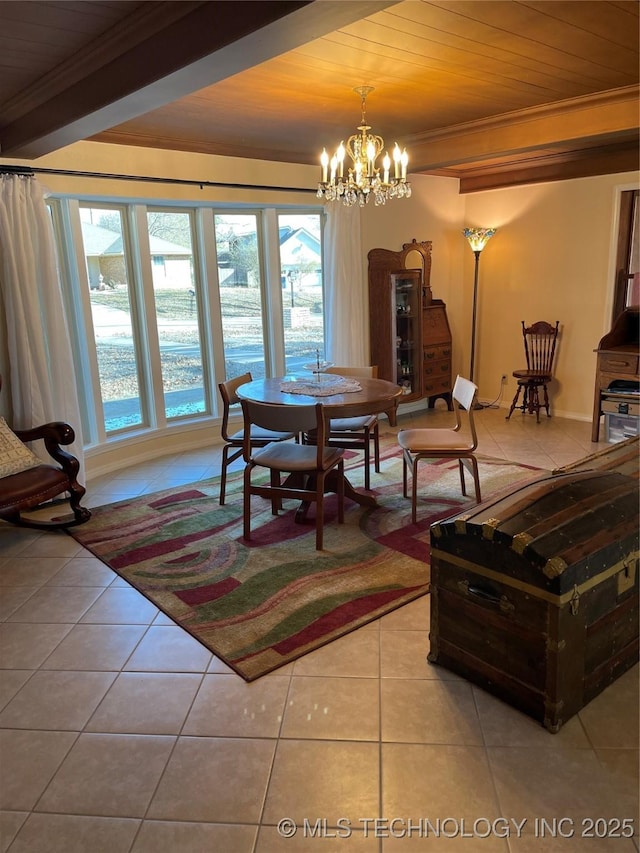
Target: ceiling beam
<point>158,54</point>
<point>609,160</point>
<point>603,118</point>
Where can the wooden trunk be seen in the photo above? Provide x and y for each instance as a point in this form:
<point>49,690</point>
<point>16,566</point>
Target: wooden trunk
<point>534,596</point>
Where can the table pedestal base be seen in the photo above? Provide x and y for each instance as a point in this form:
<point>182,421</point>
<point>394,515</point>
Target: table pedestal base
<point>331,485</point>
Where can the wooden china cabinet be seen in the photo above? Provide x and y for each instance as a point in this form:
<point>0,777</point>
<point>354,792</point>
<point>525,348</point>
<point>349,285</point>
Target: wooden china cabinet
<point>410,337</point>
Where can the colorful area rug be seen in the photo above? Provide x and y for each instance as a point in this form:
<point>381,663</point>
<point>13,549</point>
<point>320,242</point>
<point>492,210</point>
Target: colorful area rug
<point>260,604</point>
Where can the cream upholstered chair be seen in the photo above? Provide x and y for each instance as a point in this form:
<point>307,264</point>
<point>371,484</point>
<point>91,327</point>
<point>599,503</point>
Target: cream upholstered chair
<point>443,443</point>
<point>306,465</point>
<point>234,441</point>
<point>355,433</point>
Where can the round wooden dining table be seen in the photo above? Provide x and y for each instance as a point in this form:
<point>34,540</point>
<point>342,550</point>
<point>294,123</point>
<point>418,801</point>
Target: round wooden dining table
<point>375,396</point>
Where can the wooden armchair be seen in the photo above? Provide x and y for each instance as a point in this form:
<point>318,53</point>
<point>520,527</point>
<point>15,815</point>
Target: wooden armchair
<point>38,482</point>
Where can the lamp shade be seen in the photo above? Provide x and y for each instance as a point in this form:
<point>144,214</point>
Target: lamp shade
<point>478,237</point>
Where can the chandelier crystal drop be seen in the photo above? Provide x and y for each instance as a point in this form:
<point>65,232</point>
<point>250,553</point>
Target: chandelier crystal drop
<point>364,179</point>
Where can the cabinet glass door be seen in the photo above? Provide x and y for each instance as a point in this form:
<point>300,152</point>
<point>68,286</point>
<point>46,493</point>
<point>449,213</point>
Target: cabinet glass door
<point>406,296</point>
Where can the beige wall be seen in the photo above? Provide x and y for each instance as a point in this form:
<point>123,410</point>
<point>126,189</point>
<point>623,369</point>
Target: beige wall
<point>129,160</point>
<point>434,212</point>
<point>550,259</point>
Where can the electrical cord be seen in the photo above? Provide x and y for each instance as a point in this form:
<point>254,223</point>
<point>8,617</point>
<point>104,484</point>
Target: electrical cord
<point>494,404</point>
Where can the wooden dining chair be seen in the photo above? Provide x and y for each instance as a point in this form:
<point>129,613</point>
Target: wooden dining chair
<point>355,433</point>
<point>234,440</point>
<point>539,350</point>
<point>443,443</point>
<point>306,466</point>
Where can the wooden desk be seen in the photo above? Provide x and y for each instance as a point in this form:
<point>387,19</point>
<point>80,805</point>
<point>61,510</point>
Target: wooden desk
<point>377,395</point>
<point>618,356</point>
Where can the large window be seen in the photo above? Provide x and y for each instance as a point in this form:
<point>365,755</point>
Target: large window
<point>169,301</point>
<point>177,311</point>
<point>112,309</point>
<point>241,294</point>
<point>301,278</point>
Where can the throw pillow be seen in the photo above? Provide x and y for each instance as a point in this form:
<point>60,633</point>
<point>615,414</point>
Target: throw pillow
<point>14,455</point>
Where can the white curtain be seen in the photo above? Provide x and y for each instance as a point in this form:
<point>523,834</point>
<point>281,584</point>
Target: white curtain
<point>41,378</point>
<point>346,300</point>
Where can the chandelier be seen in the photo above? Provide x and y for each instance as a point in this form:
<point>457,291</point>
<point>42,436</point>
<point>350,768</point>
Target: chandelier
<point>364,179</point>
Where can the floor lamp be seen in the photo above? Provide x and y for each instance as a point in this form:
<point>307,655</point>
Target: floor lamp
<point>478,239</point>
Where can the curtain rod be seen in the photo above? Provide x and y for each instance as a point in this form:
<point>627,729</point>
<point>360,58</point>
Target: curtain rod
<point>32,170</point>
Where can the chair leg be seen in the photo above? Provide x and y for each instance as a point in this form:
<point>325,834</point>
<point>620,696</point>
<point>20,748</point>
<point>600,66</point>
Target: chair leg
<point>276,503</point>
<point>414,490</point>
<point>226,461</point>
<point>471,463</point>
<point>376,447</point>
<point>546,400</point>
<point>514,402</point>
<point>320,486</point>
<point>476,476</point>
<point>530,399</point>
<point>246,504</point>
<point>319,512</point>
<point>340,470</point>
<point>463,485</point>
<point>76,494</point>
<point>404,474</point>
<point>223,474</point>
<point>367,460</point>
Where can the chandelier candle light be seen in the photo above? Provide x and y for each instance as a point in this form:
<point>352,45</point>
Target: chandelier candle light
<point>363,179</point>
<point>478,239</point>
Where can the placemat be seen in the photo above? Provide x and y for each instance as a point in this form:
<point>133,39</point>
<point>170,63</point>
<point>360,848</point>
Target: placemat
<point>322,386</point>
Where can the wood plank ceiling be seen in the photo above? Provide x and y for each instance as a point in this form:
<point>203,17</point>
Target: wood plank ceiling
<point>494,92</point>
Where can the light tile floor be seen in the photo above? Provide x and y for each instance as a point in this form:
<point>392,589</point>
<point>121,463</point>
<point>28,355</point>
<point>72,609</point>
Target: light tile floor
<point>119,732</point>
